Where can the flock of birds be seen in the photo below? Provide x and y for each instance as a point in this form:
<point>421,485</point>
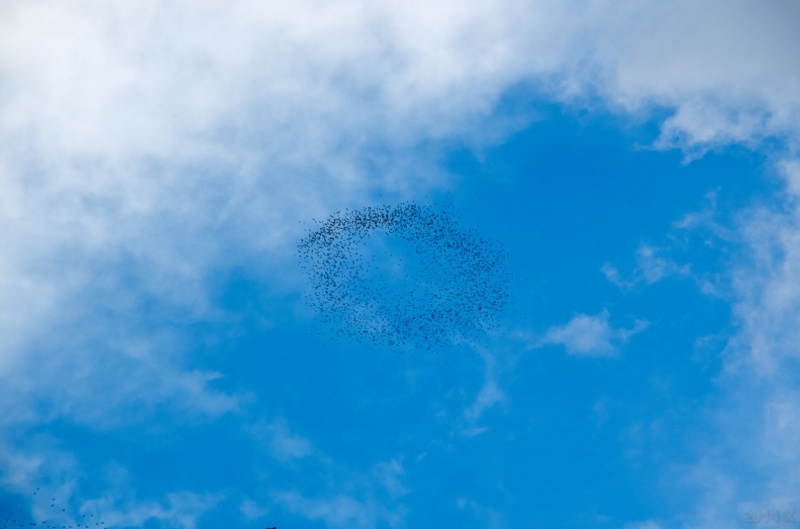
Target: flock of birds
<point>404,276</point>
<point>57,519</point>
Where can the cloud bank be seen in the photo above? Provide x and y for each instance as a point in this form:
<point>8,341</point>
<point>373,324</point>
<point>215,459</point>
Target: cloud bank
<point>144,148</point>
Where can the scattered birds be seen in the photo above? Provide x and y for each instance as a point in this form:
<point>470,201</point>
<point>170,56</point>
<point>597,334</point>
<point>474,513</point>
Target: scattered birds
<point>54,520</point>
<point>402,276</point>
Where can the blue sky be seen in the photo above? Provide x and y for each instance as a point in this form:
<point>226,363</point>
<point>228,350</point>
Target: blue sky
<point>160,366</point>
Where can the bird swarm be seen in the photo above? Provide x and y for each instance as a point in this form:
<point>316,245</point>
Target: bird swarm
<point>404,276</point>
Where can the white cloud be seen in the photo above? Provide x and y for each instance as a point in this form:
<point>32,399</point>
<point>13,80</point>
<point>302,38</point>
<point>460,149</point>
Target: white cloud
<point>767,290</point>
<point>586,335</point>
<point>142,150</point>
<point>726,66</point>
<point>340,510</point>
<point>706,220</point>
<point>138,375</point>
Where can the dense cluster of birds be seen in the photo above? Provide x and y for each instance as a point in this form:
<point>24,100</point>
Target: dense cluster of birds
<point>407,275</point>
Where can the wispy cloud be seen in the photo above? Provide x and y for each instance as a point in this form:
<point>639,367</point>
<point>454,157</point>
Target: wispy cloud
<point>252,510</point>
<point>489,396</point>
<point>757,385</point>
<point>43,462</point>
<point>388,474</point>
<point>180,510</point>
<point>650,268</point>
<point>340,510</point>
<point>283,444</point>
<point>492,518</point>
<point>642,525</point>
